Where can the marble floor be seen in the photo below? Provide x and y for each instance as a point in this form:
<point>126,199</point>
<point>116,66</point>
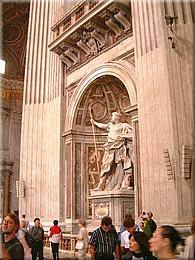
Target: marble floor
<point>64,255</point>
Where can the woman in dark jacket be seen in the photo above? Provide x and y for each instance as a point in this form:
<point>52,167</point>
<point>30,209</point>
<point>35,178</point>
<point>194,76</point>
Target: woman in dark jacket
<point>138,245</point>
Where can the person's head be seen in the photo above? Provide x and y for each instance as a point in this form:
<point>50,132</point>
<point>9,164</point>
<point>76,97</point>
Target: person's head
<point>165,239</point>
<point>22,223</point>
<point>150,214</point>
<point>145,216</point>
<point>115,117</point>
<point>82,222</point>
<point>128,215</point>
<point>10,224</point>
<point>192,225</point>
<point>129,224</point>
<point>106,223</point>
<point>141,224</point>
<point>23,215</point>
<point>138,242</point>
<point>55,222</point>
<point>37,222</point>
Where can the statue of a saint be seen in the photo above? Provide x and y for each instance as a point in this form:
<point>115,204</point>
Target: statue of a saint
<point>116,162</point>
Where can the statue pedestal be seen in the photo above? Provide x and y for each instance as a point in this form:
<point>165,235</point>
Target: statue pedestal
<point>113,203</point>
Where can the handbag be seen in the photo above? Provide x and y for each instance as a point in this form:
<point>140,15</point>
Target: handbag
<point>80,244</point>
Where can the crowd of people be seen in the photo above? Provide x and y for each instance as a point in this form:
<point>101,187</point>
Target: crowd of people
<point>135,241</point>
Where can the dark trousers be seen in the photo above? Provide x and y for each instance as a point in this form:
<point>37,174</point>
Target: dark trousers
<point>103,257</point>
<point>37,249</point>
<point>55,250</point>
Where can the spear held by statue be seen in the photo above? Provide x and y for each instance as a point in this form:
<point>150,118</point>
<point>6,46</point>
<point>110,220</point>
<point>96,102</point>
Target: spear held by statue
<point>94,138</point>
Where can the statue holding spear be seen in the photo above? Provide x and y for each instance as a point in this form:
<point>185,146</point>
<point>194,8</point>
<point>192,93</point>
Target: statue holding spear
<point>116,162</point>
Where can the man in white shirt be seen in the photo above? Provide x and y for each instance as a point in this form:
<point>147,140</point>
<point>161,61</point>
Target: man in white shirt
<point>129,224</point>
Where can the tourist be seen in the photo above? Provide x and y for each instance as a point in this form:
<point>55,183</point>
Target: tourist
<point>37,235</point>
<point>22,235</point>
<point>116,162</point>
<point>27,222</point>
<point>149,224</point>
<point>129,225</point>
<point>103,242</point>
<point>12,247</point>
<point>164,242</point>
<point>82,240</point>
<point>122,227</point>
<point>189,249</point>
<point>153,225</point>
<point>138,245</point>
<point>55,234</point>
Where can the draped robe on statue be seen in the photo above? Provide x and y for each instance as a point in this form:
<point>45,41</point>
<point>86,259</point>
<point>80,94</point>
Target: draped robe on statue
<point>116,160</point>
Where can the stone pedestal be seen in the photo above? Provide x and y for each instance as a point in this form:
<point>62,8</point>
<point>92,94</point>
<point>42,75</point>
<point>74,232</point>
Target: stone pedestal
<point>114,203</point>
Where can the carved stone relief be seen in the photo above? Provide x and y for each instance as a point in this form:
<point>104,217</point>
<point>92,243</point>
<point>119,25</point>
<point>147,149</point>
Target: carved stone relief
<point>95,34</point>
<point>101,210</point>
<point>17,115</point>
<point>128,208</point>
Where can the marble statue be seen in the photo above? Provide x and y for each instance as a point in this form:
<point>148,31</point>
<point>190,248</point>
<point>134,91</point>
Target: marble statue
<point>116,165</point>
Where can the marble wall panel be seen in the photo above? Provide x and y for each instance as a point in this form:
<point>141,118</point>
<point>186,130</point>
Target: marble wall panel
<point>69,182</point>
<point>78,183</point>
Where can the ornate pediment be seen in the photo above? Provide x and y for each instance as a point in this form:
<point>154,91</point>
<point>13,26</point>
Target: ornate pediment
<point>89,29</point>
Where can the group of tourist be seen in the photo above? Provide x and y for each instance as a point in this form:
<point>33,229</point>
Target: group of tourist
<point>19,241</point>
<point>141,241</point>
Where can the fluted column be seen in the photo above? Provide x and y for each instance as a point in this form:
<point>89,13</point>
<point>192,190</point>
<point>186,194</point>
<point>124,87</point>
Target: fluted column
<point>164,83</point>
<point>41,122</point>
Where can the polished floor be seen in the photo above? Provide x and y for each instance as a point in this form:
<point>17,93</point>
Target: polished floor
<point>64,255</point>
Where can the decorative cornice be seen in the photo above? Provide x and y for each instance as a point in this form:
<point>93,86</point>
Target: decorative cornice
<point>11,89</point>
<point>88,30</point>
<point>9,94</point>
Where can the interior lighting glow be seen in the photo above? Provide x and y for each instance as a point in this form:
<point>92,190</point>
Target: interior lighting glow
<point>2,66</point>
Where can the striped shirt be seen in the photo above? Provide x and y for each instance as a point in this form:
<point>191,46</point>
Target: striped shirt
<point>104,242</point>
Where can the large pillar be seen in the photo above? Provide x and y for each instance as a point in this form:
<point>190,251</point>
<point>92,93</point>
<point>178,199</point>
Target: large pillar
<point>163,52</point>
<point>41,123</point>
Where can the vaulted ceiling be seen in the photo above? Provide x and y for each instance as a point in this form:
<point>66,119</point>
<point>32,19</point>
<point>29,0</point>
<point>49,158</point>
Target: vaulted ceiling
<point>15,16</point>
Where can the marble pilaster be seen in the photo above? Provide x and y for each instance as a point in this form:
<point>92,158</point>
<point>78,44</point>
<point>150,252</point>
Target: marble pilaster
<point>165,104</point>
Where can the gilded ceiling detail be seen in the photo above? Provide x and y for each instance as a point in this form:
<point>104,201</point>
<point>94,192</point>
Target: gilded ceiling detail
<point>15,26</point>
<point>105,95</point>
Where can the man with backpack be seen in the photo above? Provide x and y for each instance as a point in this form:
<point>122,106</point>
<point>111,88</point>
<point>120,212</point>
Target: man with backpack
<point>37,238</point>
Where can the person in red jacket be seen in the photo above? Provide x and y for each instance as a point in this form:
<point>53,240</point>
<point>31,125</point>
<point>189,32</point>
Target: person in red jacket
<point>55,234</point>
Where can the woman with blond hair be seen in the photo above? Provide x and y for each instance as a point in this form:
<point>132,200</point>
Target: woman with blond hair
<point>82,240</point>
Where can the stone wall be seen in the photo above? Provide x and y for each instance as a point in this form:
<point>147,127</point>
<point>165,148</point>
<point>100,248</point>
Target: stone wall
<point>164,83</point>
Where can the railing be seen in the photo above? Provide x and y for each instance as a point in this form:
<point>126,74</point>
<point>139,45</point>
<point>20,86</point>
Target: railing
<point>67,243</point>
<point>73,16</point>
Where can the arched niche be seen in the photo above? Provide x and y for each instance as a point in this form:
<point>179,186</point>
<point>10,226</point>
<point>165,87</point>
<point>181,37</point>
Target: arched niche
<point>105,89</point>
<point>122,71</point>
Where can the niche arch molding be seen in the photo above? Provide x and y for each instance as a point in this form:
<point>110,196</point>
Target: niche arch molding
<point>123,70</point>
